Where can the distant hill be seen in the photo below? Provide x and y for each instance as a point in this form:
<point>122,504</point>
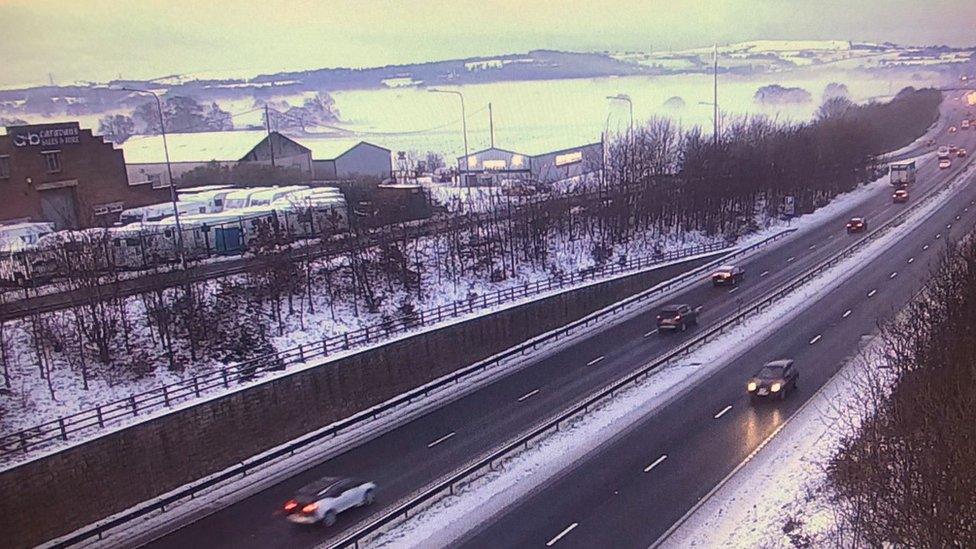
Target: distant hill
<point>756,57</point>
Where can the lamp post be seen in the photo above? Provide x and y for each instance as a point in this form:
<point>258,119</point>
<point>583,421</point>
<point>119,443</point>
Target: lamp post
<point>623,97</point>
<point>464,129</point>
<point>169,173</point>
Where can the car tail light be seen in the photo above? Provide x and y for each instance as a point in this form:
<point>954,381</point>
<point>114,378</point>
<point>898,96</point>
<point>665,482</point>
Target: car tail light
<point>310,508</point>
<point>291,505</point>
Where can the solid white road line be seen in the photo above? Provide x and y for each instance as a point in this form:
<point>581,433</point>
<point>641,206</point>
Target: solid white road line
<point>652,332</point>
<point>442,439</point>
<point>722,413</point>
<point>816,339</point>
<point>527,395</point>
<point>846,314</point>
<point>764,273</point>
<point>872,292</point>
<point>656,463</point>
<point>911,260</point>
<point>595,360</point>
<point>893,275</point>
<point>560,535</point>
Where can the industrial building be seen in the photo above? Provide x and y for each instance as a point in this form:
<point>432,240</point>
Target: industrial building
<point>65,175</point>
<point>145,156</point>
<point>320,159</point>
<point>536,162</point>
<point>345,159</point>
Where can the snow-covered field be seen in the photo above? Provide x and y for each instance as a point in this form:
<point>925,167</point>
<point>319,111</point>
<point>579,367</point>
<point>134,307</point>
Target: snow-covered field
<point>517,475</point>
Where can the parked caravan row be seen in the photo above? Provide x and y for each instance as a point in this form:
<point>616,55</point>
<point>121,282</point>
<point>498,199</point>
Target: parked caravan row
<point>300,214</point>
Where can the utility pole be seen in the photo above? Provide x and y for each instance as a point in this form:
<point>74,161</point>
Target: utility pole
<point>715,96</point>
<point>491,126</point>
<point>169,170</point>
<point>267,125</point>
<point>464,130</point>
<point>630,104</point>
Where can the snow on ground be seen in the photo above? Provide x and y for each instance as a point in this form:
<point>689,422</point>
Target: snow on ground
<point>32,401</point>
<point>447,519</point>
<point>782,489</point>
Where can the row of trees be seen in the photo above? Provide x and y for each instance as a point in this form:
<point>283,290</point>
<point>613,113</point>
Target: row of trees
<point>660,182</point>
<point>905,474</point>
<point>184,114</point>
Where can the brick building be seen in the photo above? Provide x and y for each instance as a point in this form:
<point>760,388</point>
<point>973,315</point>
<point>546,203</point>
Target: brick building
<point>66,175</point>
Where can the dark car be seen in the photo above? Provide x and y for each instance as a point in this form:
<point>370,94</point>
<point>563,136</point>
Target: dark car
<point>774,380</point>
<point>322,500</point>
<point>728,275</point>
<point>856,225</point>
<point>677,318</point>
<point>900,196</point>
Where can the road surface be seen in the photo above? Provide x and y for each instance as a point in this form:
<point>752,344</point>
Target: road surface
<point>609,497</point>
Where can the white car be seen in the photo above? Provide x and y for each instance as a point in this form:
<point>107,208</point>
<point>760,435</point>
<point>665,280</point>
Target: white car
<point>323,500</point>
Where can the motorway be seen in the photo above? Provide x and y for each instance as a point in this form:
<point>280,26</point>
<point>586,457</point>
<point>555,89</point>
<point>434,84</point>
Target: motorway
<point>608,497</point>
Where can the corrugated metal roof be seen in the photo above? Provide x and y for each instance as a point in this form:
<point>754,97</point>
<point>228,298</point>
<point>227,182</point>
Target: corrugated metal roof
<point>330,148</point>
<point>226,146</point>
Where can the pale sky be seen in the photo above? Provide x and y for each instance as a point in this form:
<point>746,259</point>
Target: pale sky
<point>101,39</point>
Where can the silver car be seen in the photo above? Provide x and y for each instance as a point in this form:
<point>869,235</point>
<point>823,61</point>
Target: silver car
<point>322,500</point>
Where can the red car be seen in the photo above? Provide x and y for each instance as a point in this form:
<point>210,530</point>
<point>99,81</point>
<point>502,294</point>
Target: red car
<point>900,196</point>
<point>857,225</point>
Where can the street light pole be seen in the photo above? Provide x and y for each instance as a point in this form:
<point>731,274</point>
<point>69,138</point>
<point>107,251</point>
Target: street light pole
<point>622,97</point>
<point>169,172</point>
<point>464,129</point>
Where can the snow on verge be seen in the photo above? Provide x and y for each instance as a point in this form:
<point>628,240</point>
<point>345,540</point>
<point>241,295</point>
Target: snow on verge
<point>514,477</point>
<point>781,484</point>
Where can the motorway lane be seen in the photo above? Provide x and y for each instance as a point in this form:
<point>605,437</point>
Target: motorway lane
<point>403,460</point>
<point>610,498</point>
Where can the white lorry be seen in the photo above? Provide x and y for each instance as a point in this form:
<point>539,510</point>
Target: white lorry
<point>902,173</point>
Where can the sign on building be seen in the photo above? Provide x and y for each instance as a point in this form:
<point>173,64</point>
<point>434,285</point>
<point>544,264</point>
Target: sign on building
<point>569,158</point>
<point>48,135</point>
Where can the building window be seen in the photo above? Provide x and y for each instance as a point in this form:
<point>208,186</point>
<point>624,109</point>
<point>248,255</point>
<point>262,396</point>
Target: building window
<point>53,161</point>
<point>4,167</point>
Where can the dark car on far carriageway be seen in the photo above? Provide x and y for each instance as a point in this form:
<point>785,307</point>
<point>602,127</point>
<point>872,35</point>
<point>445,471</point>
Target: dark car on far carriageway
<point>677,318</point>
<point>857,225</point>
<point>728,275</point>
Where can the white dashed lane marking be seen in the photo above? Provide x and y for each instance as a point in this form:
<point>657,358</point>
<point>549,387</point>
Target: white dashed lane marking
<point>595,360</point>
<point>872,292</point>
<point>560,535</point>
<point>816,339</point>
<point>442,439</point>
<point>846,314</point>
<point>656,463</point>
<point>724,410</point>
<point>528,395</point>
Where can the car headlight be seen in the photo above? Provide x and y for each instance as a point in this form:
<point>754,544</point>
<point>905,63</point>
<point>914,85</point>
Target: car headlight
<point>776,387</point>
<point>751,386</point>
